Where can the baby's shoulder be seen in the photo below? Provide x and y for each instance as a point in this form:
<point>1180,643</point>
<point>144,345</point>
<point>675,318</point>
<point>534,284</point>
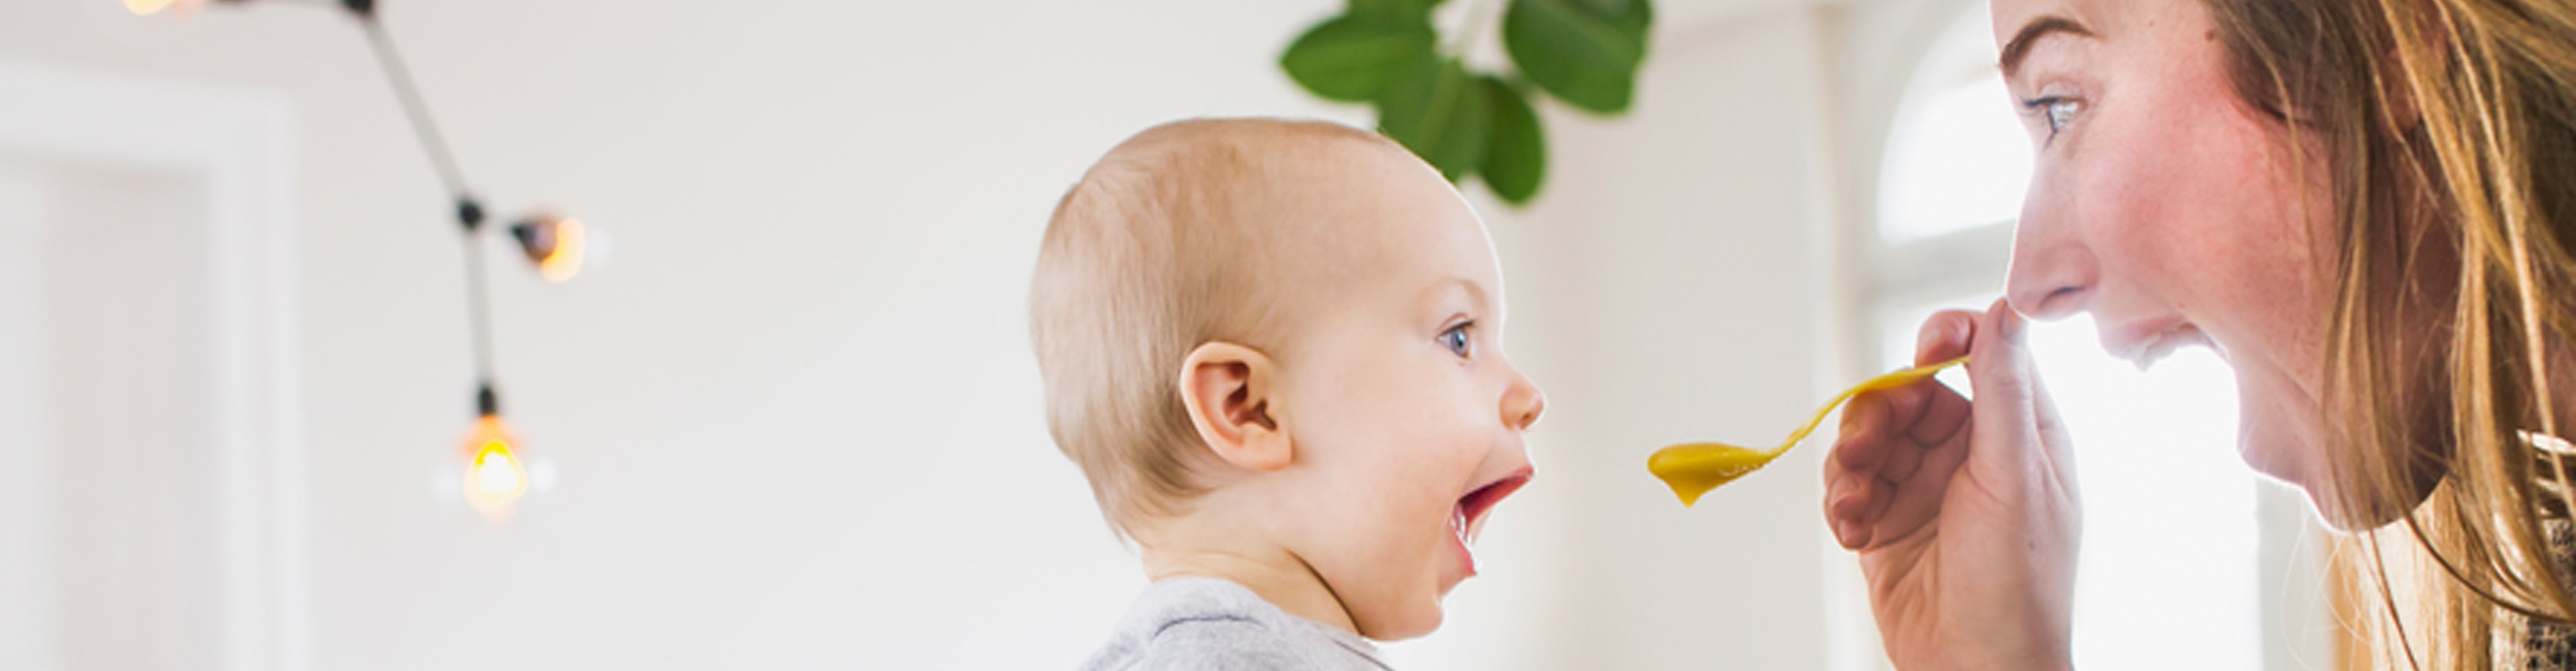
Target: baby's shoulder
<point>1221,643</point>
<point>1198,624</point>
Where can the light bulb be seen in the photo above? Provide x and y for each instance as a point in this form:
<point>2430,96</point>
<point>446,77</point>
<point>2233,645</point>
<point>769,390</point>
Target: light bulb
<point>495,475</point>
<point>558,245</point>
<point>151,7</point>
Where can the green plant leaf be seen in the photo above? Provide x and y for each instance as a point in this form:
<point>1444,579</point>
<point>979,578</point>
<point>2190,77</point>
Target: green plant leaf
<point>1634,15</point>
<point>1583,51</point>
<point>1350,58</point>
<point>1439,112</point>
<point>1515,147</point>
<point>1417,10</point>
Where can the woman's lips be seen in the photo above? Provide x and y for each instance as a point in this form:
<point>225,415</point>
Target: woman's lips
<point>2142,344</point>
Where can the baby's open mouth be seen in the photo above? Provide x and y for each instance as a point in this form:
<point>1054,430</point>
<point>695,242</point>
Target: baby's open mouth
<point>1469,517</point>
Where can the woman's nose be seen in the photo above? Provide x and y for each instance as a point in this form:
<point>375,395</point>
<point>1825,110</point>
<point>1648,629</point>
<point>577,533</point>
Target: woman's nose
<point>2053,272</point>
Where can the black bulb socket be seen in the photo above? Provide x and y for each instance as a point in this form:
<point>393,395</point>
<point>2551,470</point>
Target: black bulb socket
<point>470,214</point>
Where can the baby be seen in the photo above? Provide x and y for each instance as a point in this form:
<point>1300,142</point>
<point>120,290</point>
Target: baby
<point>1275,349</point>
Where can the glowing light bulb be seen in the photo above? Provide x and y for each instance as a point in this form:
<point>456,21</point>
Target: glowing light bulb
<point>495,477</point>
<point>558,245</point>
<point>496,472</point>
<point>151,7</point>
<point>566,261</point>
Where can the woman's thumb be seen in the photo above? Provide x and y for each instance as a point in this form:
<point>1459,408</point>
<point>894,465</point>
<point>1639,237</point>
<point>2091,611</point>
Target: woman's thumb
<point>2007,405</point>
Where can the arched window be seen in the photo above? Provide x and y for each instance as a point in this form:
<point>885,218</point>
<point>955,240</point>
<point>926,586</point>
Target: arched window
<point>1956,158</point>
<point>2190,561</point>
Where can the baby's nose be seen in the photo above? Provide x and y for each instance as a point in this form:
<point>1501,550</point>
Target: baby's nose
<point>1522,404</point>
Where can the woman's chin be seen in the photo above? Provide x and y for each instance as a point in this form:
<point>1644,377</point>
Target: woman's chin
<point>2296,458</point>
<point>2277,455</point>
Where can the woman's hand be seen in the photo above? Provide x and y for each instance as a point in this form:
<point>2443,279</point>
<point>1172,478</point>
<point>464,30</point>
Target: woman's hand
<point>1964,514</point>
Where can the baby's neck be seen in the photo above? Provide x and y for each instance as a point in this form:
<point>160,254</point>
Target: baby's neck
<point>1275,574</point>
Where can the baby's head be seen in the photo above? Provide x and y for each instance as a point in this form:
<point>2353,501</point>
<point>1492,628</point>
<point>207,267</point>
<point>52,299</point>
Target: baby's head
<point>1282,340</point>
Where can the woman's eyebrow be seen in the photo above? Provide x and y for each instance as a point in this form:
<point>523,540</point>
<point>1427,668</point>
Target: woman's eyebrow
<point>2030,34</point>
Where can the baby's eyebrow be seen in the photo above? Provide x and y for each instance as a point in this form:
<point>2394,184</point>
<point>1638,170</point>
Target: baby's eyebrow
<point>1475,291</point>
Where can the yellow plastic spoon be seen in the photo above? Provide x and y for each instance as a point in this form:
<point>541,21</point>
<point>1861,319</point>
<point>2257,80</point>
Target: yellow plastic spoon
<point>1694,468</point>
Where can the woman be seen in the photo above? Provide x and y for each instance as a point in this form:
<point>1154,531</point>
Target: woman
<point>2368,207</point>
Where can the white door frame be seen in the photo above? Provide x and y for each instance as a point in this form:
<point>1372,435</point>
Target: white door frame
<point>242,146</point>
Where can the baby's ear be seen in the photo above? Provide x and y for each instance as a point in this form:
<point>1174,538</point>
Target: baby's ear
<point>1227,389</point>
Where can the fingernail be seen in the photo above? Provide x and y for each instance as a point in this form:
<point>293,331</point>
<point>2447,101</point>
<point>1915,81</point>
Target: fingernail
<point>2010,326</point>
<point>1844,531</point>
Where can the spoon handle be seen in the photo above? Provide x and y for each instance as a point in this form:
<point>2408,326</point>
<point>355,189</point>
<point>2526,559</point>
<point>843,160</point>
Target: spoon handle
<point>1888,381</point>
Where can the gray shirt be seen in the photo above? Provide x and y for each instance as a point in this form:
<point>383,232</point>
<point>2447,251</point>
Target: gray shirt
<point>1207,624</point>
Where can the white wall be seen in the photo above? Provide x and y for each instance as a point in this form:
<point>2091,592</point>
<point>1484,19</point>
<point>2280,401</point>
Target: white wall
<point>796,421</point>
<point>1687,277</point>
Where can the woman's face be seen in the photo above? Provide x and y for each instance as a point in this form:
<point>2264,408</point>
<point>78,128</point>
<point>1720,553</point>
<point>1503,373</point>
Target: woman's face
<point>2174,212</point>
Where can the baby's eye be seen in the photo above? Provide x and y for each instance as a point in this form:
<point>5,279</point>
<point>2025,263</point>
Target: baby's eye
<point>1456,339</point>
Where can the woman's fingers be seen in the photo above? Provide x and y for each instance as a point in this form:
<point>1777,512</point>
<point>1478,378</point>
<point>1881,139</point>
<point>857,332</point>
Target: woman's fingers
<point>1871,506</point>
<point>1868,443</point>
<point>2059,449</point>
<point>1963,513</point>
<point>1912,419</point>
<point>1944,336</point>
<point>1917,435</point>
<point>2021,462</point>
<point>1848,480</point>
<point>1845,497</point>
<point>1893,461</point>
<point>1861,443</point>
<point>1846,502</point>
<point>1907,495</point>
<point>1935,414</point>
<point>1875,423</point>
<point>1898,447</point>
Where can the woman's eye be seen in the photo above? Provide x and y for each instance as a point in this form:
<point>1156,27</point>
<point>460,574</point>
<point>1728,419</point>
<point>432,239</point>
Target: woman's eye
<point>2054,111</point>
<point>1455,339</point>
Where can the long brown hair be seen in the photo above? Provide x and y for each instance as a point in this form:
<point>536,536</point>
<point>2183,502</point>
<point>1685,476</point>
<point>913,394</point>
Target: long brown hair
<point>2448,133</point>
